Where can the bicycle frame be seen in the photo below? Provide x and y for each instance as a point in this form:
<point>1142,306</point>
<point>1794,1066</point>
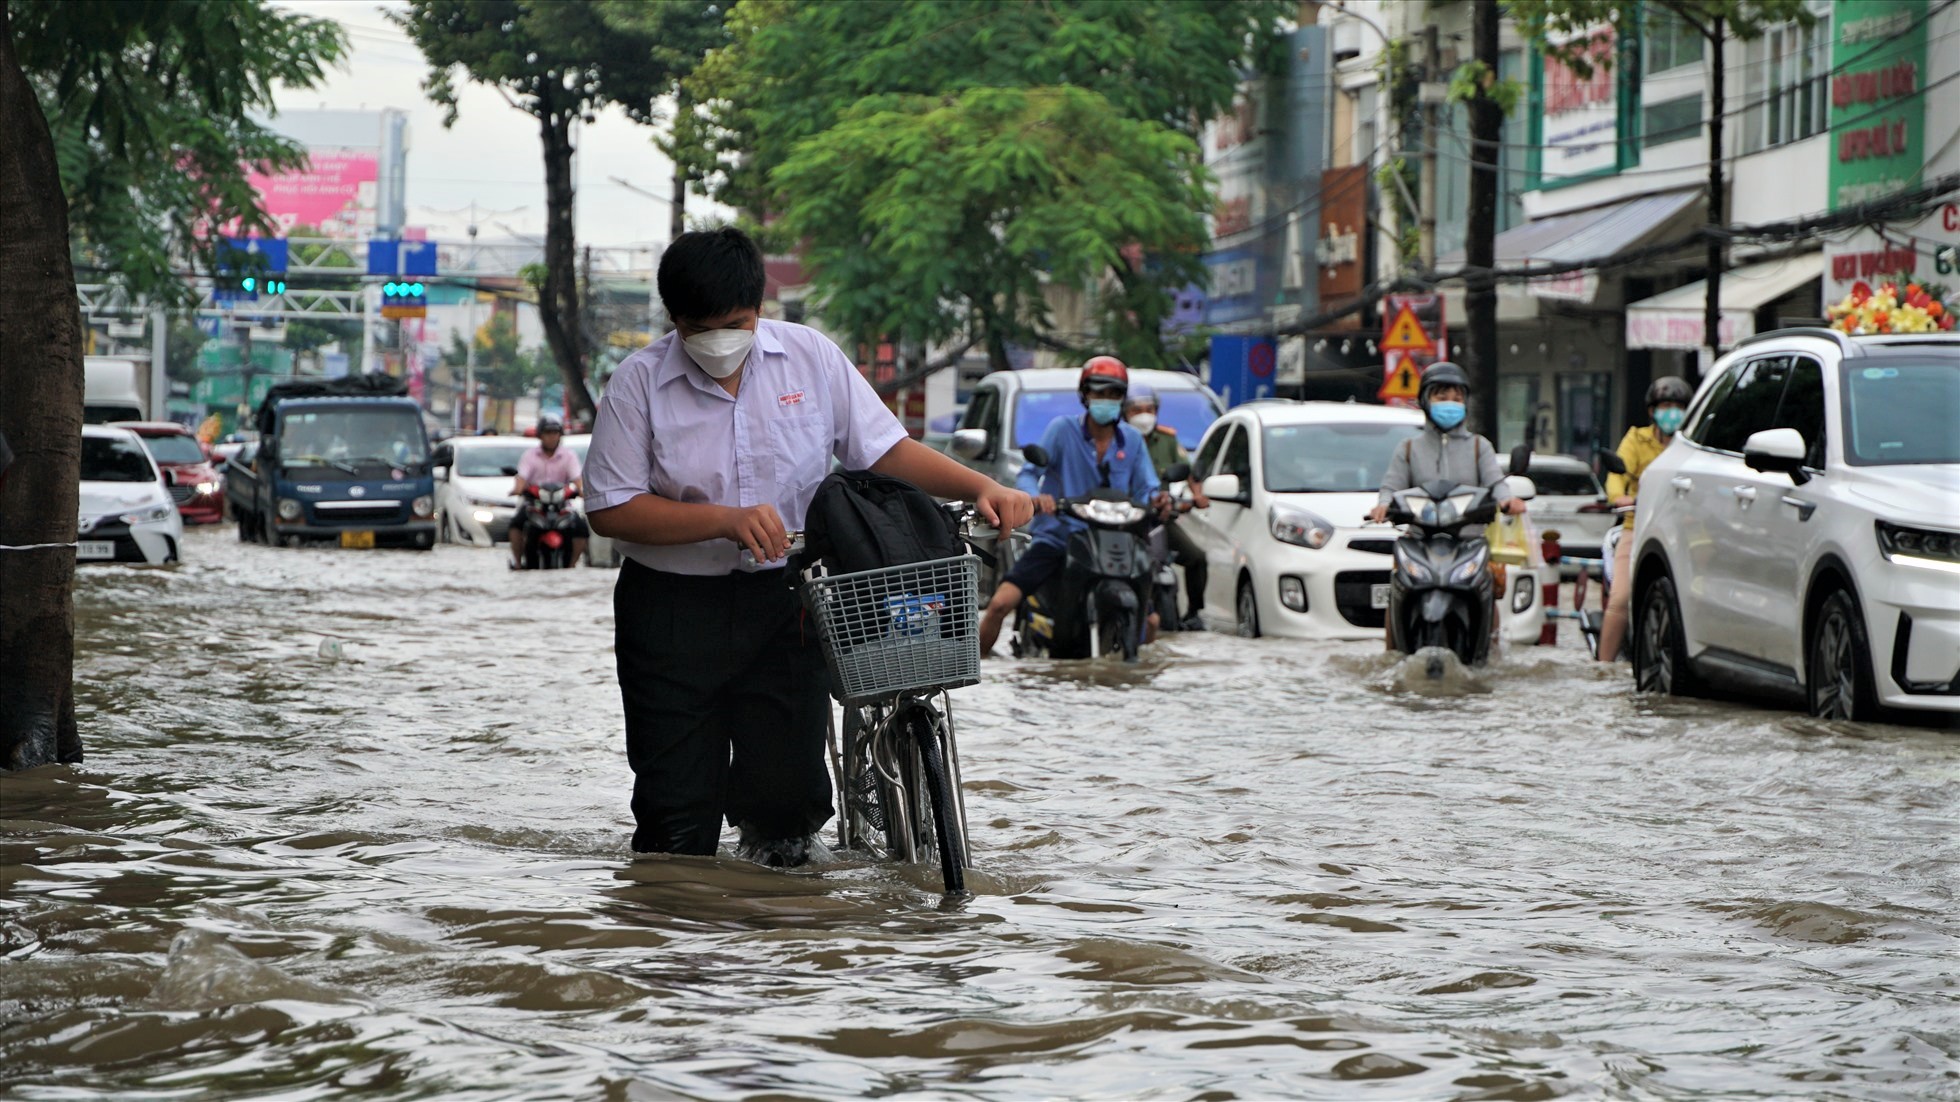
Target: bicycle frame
<point>880,741</point>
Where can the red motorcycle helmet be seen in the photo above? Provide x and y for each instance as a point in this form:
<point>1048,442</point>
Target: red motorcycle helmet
<point>1104,372</point>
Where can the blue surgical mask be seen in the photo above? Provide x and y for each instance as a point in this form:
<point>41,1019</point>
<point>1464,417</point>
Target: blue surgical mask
<point>1105,411</point>
<point>1447,415</point>
<point>1668,419</point>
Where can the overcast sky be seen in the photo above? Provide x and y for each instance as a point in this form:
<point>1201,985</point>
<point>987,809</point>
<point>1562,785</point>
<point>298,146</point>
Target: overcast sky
<point>492,155</point>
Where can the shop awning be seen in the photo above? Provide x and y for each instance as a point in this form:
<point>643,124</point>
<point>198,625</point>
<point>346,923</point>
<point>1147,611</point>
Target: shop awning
<point>1673,319</point>
<point>1597,233</point>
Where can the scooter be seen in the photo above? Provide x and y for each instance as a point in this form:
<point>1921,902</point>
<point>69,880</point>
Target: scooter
<point>548,542</point>
<point>1163,598</point>
<point>1440,590</point>
<point>1100,601</point>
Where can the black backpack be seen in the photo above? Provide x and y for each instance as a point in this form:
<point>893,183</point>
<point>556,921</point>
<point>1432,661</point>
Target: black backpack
<point>861,520</point>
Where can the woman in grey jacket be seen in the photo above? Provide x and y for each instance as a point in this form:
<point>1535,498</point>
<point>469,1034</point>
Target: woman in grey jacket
<point>1444,449</point>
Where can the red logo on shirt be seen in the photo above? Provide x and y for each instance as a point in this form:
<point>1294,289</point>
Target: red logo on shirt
<point>794,397</point>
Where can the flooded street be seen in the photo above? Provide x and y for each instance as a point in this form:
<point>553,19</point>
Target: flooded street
<point>354,825</point>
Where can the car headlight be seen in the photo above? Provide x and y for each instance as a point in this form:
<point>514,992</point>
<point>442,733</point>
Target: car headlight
<point>1920,546</point>
<point>1465,570</point>
<point>206,489</point>
<point>484,516</point>
<point>1101,511</point>
<point>148,516</point>
<point>1412,563</point>
<point>424,506</point>
<point>1299,527</point>
<point>288,509</point>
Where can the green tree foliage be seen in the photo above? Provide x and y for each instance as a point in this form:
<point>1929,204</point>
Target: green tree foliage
<point>912,205</point>
<point>156,111</point>
<point>683,32</point>
<point>1008,111</point>
<point>558,61</point>
<point>502,368</point>
<point>1542,21</point>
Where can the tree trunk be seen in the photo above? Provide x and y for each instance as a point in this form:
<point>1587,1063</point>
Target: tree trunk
<point>1480,247</point>
<point>558,302</point>
<point>1711,317</point>
<point>41,377</point>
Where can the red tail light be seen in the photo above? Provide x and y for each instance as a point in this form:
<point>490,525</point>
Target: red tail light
<point>553,540</point>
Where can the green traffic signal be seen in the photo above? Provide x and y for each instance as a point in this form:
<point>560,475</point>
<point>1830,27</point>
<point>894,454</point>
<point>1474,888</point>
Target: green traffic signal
<point>275,286</point>
<point>248,284</point>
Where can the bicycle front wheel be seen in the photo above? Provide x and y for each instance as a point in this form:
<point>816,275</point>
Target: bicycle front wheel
<point>927,738</point>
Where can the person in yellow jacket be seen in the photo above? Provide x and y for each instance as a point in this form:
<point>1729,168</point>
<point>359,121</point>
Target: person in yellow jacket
<point>1667,405</point>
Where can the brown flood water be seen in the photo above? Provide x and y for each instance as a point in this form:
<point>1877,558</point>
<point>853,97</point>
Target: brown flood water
<point>354,826</point>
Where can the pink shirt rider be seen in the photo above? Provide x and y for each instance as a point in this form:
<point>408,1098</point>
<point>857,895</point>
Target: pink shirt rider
<point>537,468</point>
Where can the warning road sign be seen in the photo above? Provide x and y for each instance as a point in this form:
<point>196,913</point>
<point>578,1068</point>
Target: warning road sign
<point>1405,334</point>
<point>1402,378</point>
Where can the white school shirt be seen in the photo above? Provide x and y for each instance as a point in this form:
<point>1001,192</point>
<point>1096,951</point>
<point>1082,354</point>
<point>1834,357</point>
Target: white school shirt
<point>666,428</point>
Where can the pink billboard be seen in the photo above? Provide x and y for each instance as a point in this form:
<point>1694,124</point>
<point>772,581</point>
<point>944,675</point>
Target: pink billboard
<point>335,193</point>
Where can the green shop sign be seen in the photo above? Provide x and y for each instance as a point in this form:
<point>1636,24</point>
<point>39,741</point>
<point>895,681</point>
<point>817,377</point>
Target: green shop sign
<point>1878,99</point>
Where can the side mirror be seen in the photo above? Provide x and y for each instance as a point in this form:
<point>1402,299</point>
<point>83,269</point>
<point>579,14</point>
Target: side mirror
<point>1177,472</point>
<point>1522,488</point>
<point>1036,455</point>
<point>1779,450</point>
<point>1225,487</point>
<point>442,456</point>
<point>510,472</point>
<point>1612,462</point>
<point>169,477</point>
<point>970,443</point>
<point>1520,459</point>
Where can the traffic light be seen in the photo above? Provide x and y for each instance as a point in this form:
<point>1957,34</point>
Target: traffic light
<point>275,286</point>
<point>404,299</point>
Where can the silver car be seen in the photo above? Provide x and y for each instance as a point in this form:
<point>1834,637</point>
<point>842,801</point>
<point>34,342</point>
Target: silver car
<point>1011,409</point>
<point>1571,503</point>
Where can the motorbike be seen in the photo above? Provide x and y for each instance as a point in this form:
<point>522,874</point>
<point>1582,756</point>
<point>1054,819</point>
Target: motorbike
<point>548,541</point>
<point>1100,601</point>
<point>1163,598</point>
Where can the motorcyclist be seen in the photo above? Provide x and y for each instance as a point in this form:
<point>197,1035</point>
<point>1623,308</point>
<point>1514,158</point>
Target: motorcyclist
<point>548,462</point>
<point>1094,450</point>
<point>1445,449</point>
<point>1667,406</point>
<point>1140,410</point>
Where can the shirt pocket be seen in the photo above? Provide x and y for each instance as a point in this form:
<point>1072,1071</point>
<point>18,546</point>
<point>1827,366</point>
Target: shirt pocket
<point>801,443</point>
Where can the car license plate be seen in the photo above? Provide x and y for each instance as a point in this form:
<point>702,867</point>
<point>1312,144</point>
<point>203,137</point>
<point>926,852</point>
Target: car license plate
<point>95,549</point>
<point>362,540</point>
<point>1378,596</point>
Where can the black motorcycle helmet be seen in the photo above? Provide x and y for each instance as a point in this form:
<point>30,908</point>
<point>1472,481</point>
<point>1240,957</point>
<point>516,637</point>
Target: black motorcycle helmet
<point>1440,373</point>
<point>1667,388</point>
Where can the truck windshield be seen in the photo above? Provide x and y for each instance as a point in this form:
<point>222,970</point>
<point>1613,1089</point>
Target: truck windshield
<point>352,438</point>
<point>112,459</point>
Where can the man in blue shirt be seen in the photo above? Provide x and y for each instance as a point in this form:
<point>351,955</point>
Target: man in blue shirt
<point>1084,453</point>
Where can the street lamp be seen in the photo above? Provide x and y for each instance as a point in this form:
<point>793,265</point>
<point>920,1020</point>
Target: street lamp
<point>469,338</point>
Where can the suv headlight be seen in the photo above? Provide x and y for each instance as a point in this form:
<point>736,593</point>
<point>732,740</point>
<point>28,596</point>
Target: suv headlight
<point>1298,527</point>
<point>147,516</point>
<point>288,509</point>
<point>1920,546</point>
<point>425,506</point>
<point>206,489</point>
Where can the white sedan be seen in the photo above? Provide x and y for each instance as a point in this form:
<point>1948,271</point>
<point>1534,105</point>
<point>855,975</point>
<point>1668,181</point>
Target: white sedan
<point>1289,553</point>
<point>126,511</point>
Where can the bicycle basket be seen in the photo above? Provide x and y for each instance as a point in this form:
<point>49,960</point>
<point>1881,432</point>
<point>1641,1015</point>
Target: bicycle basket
<point>912,628</point>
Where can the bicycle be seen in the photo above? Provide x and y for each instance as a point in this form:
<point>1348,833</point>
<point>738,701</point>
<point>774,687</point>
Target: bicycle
<point>894,639</point>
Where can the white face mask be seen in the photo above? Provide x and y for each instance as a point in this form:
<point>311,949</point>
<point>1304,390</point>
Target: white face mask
<point>1143,422</point>
<point>720,352</point>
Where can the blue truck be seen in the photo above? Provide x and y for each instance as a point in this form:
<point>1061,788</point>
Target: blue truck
<point>343,461</point>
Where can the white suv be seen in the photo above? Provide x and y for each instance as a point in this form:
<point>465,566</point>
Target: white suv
<point>1801,537</point>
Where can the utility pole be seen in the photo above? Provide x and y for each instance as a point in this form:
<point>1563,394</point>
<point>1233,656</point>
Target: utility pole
<point>1431,95</point>
<point>1711,318</point>
<point>1480,246</point>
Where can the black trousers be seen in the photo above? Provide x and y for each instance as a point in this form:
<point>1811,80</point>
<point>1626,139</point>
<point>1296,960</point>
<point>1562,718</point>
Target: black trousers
<point>726,707</point>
